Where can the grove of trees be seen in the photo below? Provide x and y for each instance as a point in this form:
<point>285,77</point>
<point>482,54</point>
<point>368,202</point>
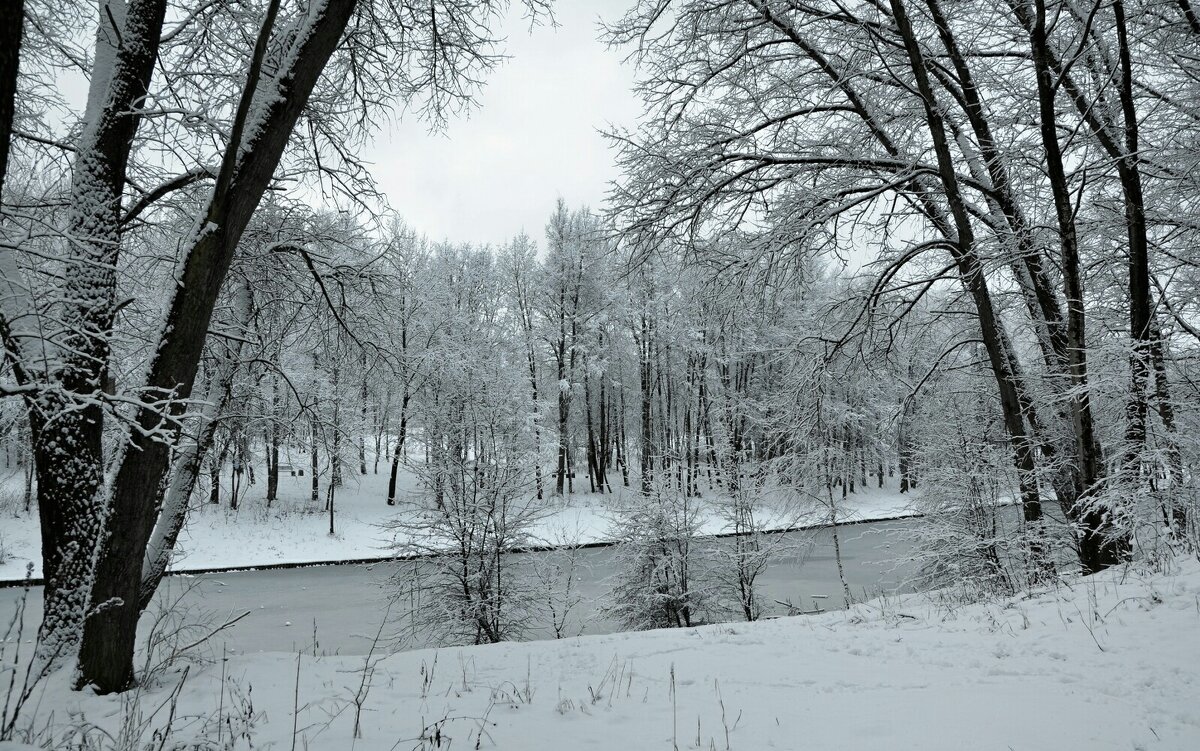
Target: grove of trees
<point>943,247</point>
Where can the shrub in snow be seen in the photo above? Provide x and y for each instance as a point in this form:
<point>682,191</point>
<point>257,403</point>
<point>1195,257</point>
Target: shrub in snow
<point>968,541</point>
<point>478,498</point>
<point>738,560</point>
<point>973,539</point>
<point>464,589</point>
<point>477,503</point>
<point>662,577</point>
<point>557,575</point>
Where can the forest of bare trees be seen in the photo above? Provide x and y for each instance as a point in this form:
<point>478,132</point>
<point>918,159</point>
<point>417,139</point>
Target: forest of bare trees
<point>943,246</point>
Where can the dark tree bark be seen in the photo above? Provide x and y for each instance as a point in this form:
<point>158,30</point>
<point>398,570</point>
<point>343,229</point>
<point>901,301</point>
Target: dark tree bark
<point>273,444</point>
<point>594,481</point>
<point>647,452</point>
<point>382,418</point>
<point>1096,549</point>
<point>362,425</point>
<point>398,451</point>
<point>330,492</point>
<point>537,429</point>
<point>971,272</point>
<point>181,481</point>
<point>12,25</point>
<point>1121,144</point>
<point>1041,302</point>
<point>622,443</point>
<point>314,463</point>
<point>904,448</point>
<point>106,650</point>
<point>1061,341</point>
<point>1139,256</point>
<point>605,437</point>
<point>335,450</point>
<point>1005,369</point>
<point>214,474</point>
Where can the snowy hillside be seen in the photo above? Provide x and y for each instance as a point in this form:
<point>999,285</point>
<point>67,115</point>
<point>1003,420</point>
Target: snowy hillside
<point>1110,662</point>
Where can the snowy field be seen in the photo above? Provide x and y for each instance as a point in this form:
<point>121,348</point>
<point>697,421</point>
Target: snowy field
<point>294,530</point>
<point>1111,662</point>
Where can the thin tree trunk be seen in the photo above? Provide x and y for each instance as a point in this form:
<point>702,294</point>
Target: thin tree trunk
<point>330,491</point>
<point>313,459</point>
<point>398,451</point>
<point>647,426</point>
<point>214,473</point>
<point>1177,511</point>
<point>362,427</point>
<point>273,445</point>
<point>972,275</point>
<point>335,450</point>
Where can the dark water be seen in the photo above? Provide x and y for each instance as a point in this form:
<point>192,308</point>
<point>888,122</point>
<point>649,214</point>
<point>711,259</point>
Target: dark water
<point>341,607</point>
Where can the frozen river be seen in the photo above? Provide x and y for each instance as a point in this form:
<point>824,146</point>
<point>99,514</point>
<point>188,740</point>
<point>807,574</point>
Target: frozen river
<point>343,605</point>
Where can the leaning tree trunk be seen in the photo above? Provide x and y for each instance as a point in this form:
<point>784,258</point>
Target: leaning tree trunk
<point>971,273</point>
<point>190,456</point>
<point>397,452</point>
<point>107,647</point>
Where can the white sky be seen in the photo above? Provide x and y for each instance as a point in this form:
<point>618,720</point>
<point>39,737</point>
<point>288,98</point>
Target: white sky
<point>533,137</point>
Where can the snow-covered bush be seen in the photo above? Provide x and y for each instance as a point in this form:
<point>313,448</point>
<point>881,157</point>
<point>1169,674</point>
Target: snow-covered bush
<point>968,538</point>
<point>466,589</point>
<point>748,509</point>
<point>558,574</point>
<point>662,576</point>
<point>972,538</point>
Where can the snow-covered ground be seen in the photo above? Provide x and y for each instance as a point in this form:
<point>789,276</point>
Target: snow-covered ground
<point>295,531</point>
<point>1111,662</point>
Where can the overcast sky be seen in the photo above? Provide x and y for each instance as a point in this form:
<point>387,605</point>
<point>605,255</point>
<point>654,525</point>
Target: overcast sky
<point>533,137</point>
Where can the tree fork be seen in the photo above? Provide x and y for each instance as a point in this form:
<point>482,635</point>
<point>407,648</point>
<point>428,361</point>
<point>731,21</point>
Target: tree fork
<point>107,647</point>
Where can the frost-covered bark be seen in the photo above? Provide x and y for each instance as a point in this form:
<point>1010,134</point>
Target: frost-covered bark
<point>68,420</point>
<point>269,109</point>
